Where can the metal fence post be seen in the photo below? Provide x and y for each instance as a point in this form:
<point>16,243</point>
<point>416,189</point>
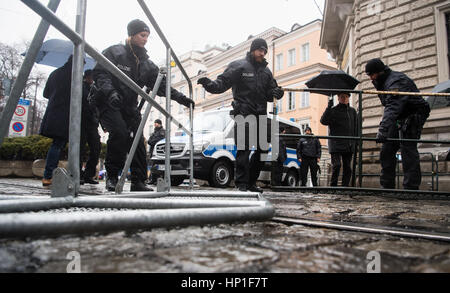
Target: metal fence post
<point>360,145</point>
<point>24,72</point>
<point>168,121</point>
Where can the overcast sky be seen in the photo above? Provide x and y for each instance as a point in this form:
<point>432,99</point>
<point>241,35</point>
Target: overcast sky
<point>187,24</point>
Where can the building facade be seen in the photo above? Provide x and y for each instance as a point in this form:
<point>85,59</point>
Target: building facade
<point>409,36</point>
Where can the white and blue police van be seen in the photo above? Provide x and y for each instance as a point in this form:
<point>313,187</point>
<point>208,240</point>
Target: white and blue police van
<point>215,151</point>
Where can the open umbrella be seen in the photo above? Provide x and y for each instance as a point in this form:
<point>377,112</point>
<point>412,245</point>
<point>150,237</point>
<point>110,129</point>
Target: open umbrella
<point>332,79</point>
<point>440,102</point>
<point>55,53</point>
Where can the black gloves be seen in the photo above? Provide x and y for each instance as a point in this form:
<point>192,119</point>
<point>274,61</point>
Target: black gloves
<point>185,101</point>
<point>381,138</point>
<point>115,100</point>
<point>330,102</point>
<point>206,83</point>
<point>277,93</point>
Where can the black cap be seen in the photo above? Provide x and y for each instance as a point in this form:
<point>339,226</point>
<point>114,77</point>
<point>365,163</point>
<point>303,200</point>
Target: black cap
<point>375,66</point>
<point>136,26</point>
<point>87,73</point>
<point>308,128</point>
<point>258,44</point>
<point>158,121</point>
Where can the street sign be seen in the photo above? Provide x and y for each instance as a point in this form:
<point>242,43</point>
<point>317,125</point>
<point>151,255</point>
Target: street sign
<point>19,121</point>
<point>17,129</point>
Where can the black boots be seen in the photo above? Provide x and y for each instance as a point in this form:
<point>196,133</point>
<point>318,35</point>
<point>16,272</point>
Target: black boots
<point>111,184</point>
<point>139,186</point>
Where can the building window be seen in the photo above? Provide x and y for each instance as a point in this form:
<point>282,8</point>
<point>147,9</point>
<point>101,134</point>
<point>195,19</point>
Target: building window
<point>280,105</point>
<point>304,57</point>
<point>442,18</point>
<point>279,62</point>
<point>291,101</point>
<point>304,100</point>
<point>292,57</point>
<point>303,124</point>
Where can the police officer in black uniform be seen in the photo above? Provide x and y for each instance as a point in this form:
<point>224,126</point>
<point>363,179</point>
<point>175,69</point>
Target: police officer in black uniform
<point>158,134</point>
<point>309,152</point>
<point>403,117</point>
<point>119,113</point>
<point>253,86</point>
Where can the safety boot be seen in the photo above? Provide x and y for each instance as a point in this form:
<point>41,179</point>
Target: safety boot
<point>255,188</point>
<point>139,186</point>
<point>111,184</point>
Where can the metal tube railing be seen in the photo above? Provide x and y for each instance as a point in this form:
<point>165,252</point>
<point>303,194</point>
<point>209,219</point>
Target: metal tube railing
<point>24,73</point>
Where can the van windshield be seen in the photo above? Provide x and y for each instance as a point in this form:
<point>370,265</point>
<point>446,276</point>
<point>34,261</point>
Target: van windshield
<point>211,121</point>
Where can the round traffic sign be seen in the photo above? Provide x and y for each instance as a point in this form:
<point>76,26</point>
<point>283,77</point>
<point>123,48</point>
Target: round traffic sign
<point>18,127</point>
<point>20,111</point>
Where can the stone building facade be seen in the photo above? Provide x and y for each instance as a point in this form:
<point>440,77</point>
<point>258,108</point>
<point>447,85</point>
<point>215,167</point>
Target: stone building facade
<point>409,36</point>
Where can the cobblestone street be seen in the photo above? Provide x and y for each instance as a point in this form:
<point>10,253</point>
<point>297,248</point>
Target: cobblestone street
<point>248,247</point>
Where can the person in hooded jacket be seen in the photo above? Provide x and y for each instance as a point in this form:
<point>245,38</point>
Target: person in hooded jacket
<point>309,152</point>
<point>55,123</point>
<point>253,87</point>
<point>342,120</point>
<point>158,134</point>
<point>119,113</point>
<point>403,117</point>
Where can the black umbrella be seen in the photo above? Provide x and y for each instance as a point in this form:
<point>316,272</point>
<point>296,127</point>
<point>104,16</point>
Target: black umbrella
<point>332,79</point>
<point>440,102</point>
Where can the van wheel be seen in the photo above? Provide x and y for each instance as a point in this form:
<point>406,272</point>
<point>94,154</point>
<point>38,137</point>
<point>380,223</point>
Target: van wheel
<point>291,178</point>
<point>221,175</point>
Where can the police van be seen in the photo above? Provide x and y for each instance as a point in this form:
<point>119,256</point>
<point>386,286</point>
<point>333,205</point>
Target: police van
<point>215,151</point>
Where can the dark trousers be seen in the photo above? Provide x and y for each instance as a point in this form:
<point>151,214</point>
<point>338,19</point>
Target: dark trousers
<point>410,160</point>
<point>89,135</point>
<point>336,164</point>
<point>119,144</point>
<point>311,164</point>
<point>53,155</point>
<point>278,173</point>
<point>248,161</point>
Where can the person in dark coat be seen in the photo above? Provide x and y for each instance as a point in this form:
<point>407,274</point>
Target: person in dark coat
<point>309,152</point>
<point>55,123</point>
<point>342,120</point>
<point>403,117</point>
<point>89,132</point>
<point>282,157</point>
<point>253,86</point>
<point>158,134</point>
<point>119,113</point>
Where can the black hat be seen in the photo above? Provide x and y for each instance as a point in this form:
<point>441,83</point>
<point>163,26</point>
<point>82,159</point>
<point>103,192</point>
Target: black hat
<point>258,44</point>
<point>136,26</point>
<point>88,73</point>
<point>375,66</point>
<point>308,128</point>
<point>158,121</point>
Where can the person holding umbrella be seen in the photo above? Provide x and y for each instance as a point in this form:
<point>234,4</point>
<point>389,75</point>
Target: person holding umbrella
<point>119,112</point>
<point>342,120</point>
<point>253,87</point>
<point>403,117</point>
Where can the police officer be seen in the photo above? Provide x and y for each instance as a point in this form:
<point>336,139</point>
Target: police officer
<point>253,86</point>
<point>119,113</point>
<point>158,134</point>
<point>342,121</point>
<point>282,157</point>
<point>403,117</point>
<point>309,152</point>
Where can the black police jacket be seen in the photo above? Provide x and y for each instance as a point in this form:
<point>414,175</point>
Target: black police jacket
<point>399,107</point>
<point>252,84</point>
<point>342,120</point>
<point>309,147</point>
<point>136,65</point>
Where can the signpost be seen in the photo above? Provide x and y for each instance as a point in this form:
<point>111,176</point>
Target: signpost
<point>19,121</point>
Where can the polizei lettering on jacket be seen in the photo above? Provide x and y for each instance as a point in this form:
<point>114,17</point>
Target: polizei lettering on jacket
<point>193,283</point>
<point>248,74</point>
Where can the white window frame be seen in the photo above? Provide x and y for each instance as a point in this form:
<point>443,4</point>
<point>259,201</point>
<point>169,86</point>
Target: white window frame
<point>292,57</point>
<point>305,97</point>
<point>303,57</point>
<point>291,101</point>
<point>280,105</point>
<point>441,41</point>
<point>279,62</point>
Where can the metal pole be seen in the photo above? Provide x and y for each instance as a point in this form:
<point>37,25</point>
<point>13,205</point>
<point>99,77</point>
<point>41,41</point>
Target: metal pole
<point>75,98</point>
<point>168,121</point>
<point>191,147</point>
<point>24,72</point>
<point>360,146</point>
<point>138,134</point>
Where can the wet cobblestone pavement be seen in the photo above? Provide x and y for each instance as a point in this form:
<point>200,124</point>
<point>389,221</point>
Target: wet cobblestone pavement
<point>251,247</point>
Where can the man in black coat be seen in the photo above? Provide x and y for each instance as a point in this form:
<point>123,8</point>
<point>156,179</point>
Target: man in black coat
<point>156,136</point>
<point>342,120</point>
<point>253,86</point>
<point>309,152</point>
<point>55,123</point>
<point>119,113</point>
<point>282,157</point>
<point>89,132</point>
<point>403,117</point>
